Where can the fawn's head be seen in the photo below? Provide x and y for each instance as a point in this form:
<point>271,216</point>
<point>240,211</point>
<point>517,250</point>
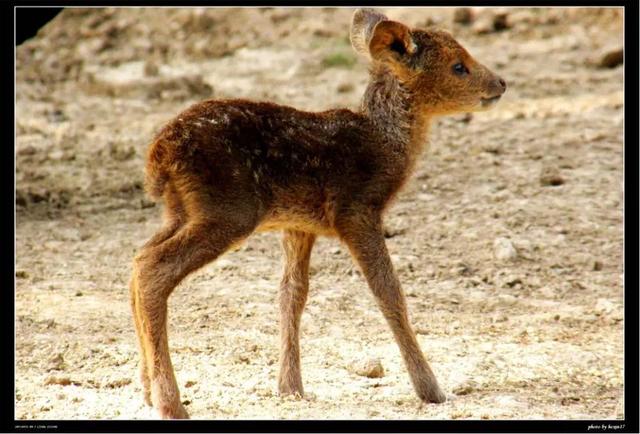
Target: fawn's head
<point>440,75</point>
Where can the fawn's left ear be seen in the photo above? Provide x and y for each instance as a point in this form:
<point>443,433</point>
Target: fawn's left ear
<point>362,25</point>
<point>391,41</point>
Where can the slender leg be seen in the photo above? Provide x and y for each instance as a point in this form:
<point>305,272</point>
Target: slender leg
<point>137,320</point>
<point>157,271</point>
<point>174,220</point>
<point>293,296</point>
<point>365,239</point>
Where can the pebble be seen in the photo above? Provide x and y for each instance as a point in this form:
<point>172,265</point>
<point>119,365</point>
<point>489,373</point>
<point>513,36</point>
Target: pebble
<point>503,249</point>
<point>507,300</point>
<point>550,176</point>
<point>466,388</point>
<point>62,381</point>
<point>489,23</point>
<point>345,87</point>
<point>500,318</point>
<point>371,368</point>
<point>56,363</point>
<point>463,16</point>
<point>483,25</point>
<point>612,58</point>
<point>500,22</point>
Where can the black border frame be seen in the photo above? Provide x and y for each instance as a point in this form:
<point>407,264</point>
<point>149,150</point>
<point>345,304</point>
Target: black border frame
<point>631,178</point>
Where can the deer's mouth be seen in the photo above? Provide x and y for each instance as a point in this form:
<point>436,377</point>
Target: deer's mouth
<point>488,102</point>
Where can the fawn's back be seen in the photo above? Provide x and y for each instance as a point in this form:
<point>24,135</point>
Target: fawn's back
<point>289,167</point>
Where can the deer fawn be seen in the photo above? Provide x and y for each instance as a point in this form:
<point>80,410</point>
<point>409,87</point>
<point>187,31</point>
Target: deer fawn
<point>226,169</point>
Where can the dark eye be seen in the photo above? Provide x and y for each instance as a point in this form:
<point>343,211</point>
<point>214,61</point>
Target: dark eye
<point>460,69</point>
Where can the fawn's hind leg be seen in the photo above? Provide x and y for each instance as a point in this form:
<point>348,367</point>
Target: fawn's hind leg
<point>157,271</point>
<point>365,239</point>
<point>175,217</point>
<point>294,288</point>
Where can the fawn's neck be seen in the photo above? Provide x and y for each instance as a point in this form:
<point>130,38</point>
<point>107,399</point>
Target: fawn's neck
<point>390,107</point>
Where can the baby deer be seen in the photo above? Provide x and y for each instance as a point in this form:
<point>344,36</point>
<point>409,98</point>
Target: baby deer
<point>225,169</point>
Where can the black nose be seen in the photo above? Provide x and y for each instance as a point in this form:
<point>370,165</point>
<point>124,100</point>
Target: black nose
<point>502,84</point>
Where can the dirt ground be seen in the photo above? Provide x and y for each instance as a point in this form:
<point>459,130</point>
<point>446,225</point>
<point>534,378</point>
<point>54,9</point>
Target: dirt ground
<point>538,336</point>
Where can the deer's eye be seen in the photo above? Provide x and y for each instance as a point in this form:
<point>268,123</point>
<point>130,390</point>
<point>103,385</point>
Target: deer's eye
<point>460,69</point>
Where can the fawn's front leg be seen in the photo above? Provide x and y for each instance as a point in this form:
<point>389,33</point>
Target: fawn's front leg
<point>293,296</point>
<point>365,239</point>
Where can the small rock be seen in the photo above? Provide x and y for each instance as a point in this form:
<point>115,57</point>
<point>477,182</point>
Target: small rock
<point>500,318</point>
<point>62,381</point>
<point>597,266</point>
<point>462,269</point>
<point>489,23</point>
<point>189,383</point>
<point>466,388</point>
<point>56,363</point>
<point>503,249</point>
<point>500,22</point>
<point>57,116</point>
<point>550,176</point>
<point>512,281</point>
<point>21,274</point>
<point>483,25</point>
<point>371,368</point>
<point>507,300</point>
<point>612,58</point>
<point>465,118</point>
<point>463,16</point>
<point>522,244</point>
<point>390,233</point>
<point>345,87</point>
<point>114,384</point>
<point>27,150</point>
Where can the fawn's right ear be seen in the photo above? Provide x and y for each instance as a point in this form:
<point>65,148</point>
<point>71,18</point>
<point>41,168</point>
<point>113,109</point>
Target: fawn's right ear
<point>391,40</point>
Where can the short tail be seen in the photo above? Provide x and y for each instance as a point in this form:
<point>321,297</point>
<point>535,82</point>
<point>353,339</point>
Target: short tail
<point>156,177</point>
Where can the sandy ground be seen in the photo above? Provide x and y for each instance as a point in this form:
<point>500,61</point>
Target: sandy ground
<point>539,336</point>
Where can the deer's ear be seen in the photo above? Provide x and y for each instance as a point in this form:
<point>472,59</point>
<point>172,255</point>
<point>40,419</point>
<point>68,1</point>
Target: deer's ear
<point>391,40</point>
<point>362,25</point>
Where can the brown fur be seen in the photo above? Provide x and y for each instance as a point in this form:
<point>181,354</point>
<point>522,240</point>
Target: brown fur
<point>225,169</point>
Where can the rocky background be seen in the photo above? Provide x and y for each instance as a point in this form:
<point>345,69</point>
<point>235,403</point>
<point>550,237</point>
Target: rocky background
<point>508,239</point>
